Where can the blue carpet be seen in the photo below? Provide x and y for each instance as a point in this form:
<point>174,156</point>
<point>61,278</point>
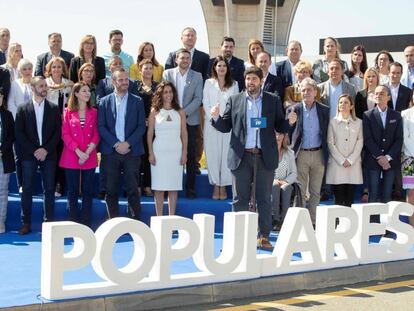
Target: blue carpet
<point>21,266</point>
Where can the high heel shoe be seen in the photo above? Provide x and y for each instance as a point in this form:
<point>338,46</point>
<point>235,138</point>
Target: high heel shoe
<point>223,193</point>
<point>216,193</point>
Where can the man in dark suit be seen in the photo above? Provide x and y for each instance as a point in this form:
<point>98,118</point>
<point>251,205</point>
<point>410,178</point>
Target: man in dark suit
<point>309,122</point>
<point>399,101</point>
<point>284,69</point>
<point>189,85</point>
<point>383,139</point>
<point>400,94</point>
<point>55,45</point>
<point>106,87</point>
<point>271,83</point>
<point>38,127</point>
<point>236,64</point>
<point>199,60</point>
<point>252,117</point>
<point>4,44</point>
<point>5,82</point>
<point>199,63</point>
<point>121,124</point>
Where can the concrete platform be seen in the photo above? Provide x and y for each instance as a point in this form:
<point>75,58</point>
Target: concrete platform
<point>197,295</point>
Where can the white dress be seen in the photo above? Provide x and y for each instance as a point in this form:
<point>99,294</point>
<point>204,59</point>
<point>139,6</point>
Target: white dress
<point>216,144</point>
<point>167,173</point>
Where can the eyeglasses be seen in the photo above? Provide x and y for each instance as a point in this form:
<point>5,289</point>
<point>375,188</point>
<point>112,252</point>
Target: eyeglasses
<point>89,70</point>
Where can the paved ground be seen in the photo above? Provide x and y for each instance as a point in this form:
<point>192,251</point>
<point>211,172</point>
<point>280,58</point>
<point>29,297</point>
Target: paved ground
<point>392,295</point>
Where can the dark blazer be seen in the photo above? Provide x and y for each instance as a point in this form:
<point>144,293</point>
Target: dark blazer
<point>105,87</point>
<point>199,62</point>
<point>403,99</point>
<point>7,139</point>
<point>297,128</point>
<point>5,82</point>
<point>379,141</point>
<point>26,130</point>
<point>284,71</point>
<point>361,104</point>
<point>44,58</point>
<point>134,124</point>
<point>236,70</point>
<point>273,84</point>
<point>77,62</point>
<point>234,120</point>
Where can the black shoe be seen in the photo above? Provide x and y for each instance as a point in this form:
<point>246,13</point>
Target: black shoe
<point>190,194</point>
<point>101,195</point>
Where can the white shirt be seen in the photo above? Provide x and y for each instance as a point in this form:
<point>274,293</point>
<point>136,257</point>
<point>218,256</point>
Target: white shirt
<point>180,84</point>
<point>394,94</point>
<point>292,71</point>
<point>39,109</point>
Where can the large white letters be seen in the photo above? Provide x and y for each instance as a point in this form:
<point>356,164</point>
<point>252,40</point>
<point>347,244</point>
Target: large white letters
<point>330,245</point>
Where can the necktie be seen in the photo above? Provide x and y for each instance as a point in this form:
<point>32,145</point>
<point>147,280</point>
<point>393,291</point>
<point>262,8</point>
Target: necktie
<point>26,93</point>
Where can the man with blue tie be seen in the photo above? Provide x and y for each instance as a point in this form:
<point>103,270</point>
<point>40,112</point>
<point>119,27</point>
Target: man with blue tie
<point>121,123</point>
<point>383,139</point>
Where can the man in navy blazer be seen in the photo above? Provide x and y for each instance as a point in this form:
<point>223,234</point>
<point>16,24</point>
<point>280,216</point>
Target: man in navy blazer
<point>383,140</point>
<point>309,122</point>
<point>271,83</point>
<point>121,124</point>
<point>55,45</point>
<point>400,94</point>
<point>285,69</point>
<point>250,144</point>
<point>199,60</point>
<point>106,87</point>
<point>236,64</point>
<point>37,129</point>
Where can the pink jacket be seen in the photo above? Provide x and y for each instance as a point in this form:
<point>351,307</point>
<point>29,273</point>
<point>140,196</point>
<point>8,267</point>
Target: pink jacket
<point>76,137</point>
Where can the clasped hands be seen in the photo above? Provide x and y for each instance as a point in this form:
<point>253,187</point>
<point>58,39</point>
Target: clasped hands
<point>40,154</point>
<point>84,156</point>
<point>383,162</point>
<point>122,147</point>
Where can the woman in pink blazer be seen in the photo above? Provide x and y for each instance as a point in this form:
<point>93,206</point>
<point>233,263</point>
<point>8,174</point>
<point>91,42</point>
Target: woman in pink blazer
<point>80,136</point>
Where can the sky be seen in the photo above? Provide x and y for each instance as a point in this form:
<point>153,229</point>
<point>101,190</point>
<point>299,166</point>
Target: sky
<point>161,22</point>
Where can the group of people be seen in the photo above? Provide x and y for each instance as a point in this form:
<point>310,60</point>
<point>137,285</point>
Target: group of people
<point>323,127</point>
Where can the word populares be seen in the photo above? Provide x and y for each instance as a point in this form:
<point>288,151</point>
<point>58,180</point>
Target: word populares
<point>149,268</point>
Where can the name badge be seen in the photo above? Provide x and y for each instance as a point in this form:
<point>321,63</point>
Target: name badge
<point>258,122</point>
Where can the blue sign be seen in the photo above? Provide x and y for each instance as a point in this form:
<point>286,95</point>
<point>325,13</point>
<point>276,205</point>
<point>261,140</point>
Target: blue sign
<point>258,123</point>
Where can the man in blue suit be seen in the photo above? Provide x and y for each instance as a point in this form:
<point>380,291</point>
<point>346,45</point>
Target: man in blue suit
<point>383,140</point>
<point>285,69</point>
<point>121,123</point>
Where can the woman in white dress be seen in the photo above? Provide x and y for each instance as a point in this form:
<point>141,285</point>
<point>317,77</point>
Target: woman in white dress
<point>217,90</point>
<point>168,151</point>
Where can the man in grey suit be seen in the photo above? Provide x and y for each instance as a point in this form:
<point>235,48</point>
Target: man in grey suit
<point>335,87</point>
<point>189,85</point>
<point>252,116</point>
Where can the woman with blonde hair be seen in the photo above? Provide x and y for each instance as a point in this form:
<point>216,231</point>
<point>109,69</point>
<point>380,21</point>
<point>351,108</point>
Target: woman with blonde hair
<point>14,55</point>
<point>254,48</point>
<point>345,142</point>
<point>146,51</point>
<point>302,70</point>
<point>87,54</point>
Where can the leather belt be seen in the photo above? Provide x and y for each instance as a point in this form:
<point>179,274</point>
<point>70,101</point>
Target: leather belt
<point>312,149</point>
<point>253,150</point>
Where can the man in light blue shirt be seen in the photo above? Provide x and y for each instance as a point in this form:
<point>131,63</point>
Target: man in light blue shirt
<point>116,39</point>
